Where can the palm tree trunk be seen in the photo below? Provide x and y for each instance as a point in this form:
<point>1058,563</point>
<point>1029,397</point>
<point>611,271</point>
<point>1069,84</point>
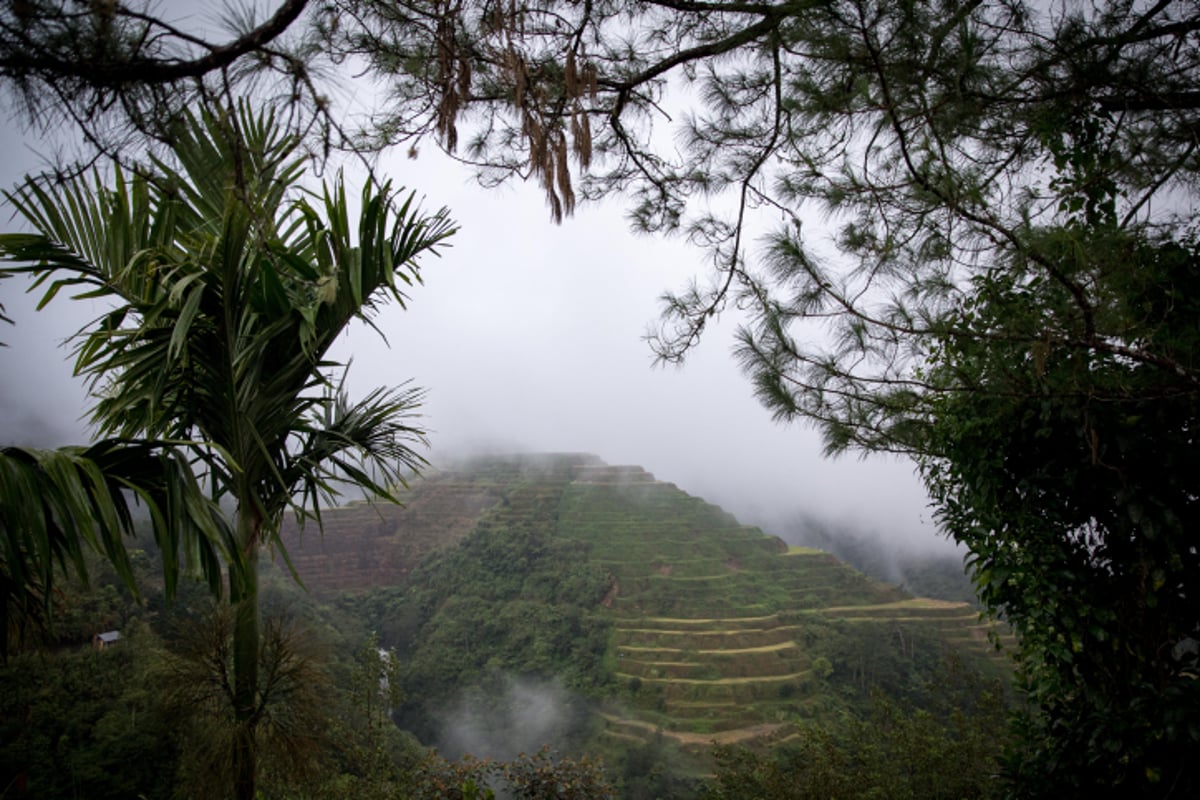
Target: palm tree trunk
<point>244,596</point>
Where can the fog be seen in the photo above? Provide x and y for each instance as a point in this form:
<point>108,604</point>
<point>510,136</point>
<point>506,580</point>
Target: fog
<point>529,338</point>
<point>519,716</point>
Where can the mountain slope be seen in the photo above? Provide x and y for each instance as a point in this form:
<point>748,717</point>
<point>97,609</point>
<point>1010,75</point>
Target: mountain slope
<point>678,620</point>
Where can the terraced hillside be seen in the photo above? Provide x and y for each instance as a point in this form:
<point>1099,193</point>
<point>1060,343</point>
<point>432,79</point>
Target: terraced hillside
<point>719,626</point>
<point>720,632</point>
<point>378,544</point>
<point>365,545</point>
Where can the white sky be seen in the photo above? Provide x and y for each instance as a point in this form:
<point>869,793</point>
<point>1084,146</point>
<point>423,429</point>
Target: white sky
<point>527,337</point>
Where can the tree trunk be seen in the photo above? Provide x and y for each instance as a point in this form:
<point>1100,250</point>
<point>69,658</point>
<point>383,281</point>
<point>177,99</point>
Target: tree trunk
<point>244,596</point>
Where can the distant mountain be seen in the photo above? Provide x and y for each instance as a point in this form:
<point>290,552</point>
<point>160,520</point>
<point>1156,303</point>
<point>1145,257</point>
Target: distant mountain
<point>939,574</point>
<point>670,617</point>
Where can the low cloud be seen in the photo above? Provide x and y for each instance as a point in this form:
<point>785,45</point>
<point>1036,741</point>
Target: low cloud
<point>517,715</point>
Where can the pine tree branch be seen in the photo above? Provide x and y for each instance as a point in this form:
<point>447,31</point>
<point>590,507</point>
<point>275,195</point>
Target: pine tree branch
<point>147,70</point>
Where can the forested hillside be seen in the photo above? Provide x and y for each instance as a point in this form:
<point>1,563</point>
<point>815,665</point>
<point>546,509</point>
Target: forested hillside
<point>655,621</point>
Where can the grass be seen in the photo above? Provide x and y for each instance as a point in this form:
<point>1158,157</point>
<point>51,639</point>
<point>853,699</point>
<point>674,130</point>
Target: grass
<point>914,602</point>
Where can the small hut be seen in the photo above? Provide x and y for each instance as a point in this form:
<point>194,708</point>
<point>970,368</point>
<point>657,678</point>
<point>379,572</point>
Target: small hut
<point>106,639</point>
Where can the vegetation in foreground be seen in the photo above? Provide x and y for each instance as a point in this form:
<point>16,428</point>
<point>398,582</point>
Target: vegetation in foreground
<point>138,719</point>
<point>228,285</point>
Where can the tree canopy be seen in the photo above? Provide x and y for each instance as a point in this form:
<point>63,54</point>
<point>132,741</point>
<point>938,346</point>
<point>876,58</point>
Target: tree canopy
<point>119,71</point>
<point>1069,475</point>
<point>936,138</point>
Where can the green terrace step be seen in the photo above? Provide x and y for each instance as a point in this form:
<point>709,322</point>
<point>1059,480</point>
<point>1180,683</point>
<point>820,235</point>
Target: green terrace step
<point>762,665</point>
<point>725,715</point>
<point>663,564</point>
<point>705,639</point>
<point>907,607</point>
<point>749,683</point>
<point>728,576</point>
<point>664,529</point>
<point>766,654</point>
<point>679,605</point>
<point>707,707</point>
<point>938,623</point>
<point>604,474</point>
<point>640,551</point>
<point>693,623</point>
<point>762,655</point>
<point>694,733</point>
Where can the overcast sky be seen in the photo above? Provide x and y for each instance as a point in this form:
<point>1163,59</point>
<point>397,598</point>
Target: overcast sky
<point>528,337</point>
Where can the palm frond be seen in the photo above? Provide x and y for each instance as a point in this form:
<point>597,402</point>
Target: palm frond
<point>230,283</point>
<point>58,503</point>
<point>371,443</point>
<point>370,266</point>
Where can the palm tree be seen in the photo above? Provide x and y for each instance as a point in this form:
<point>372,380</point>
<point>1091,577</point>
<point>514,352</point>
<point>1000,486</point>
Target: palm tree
<point>230,284</point>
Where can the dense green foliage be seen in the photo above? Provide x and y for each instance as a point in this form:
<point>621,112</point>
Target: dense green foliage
<point>944,750</point>
<point>1070,475</point>
<point>694,625</point>
<point>61,506</point>
<point>1012,293</point>
<point>511,600</point>
<point>139,718</point>
<point>954,145</point>
<point>86,723</point>
<point>502,643</point>
<point>1012,301</point>
<point>1007,293</point>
